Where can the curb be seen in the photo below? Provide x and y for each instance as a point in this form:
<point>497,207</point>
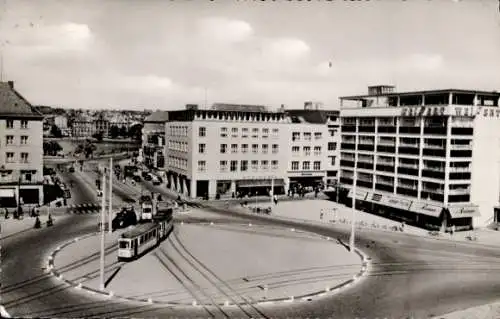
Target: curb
<point>328,291</point>
<point>4,312</point>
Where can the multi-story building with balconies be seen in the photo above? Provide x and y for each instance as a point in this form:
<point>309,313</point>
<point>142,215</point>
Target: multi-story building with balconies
<point>226,152</point>
<point>21,149</point>
<point>429,157</point>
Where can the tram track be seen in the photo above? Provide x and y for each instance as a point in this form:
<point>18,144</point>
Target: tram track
<point>191,291</point>
<point>218,282</point>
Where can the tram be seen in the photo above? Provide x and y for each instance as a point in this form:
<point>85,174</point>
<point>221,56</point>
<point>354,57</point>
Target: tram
<point>137,241</point>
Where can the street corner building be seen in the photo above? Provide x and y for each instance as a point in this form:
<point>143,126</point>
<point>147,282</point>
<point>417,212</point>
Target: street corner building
<point>21,150</point>
<point>238,150</point>
<point>429,157</point>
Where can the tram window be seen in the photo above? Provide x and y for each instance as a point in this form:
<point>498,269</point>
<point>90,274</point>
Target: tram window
<point>123,244</point>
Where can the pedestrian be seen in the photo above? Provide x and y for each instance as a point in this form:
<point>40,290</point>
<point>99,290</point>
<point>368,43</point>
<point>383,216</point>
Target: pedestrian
<point>275,199</point>
<point>6,213</point>
<point>452,230</point>
<point>321,215</point>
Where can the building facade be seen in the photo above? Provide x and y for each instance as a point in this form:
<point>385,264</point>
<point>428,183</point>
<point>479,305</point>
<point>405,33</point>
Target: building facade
<point>154,149</point>
<point>428,157</point>
<point>21,149</point>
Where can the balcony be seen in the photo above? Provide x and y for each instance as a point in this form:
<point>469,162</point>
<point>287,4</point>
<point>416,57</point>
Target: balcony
<point>385,168</point>
<point>460,176</point>
<point>409,130</point>
<point>433,190</point>
<point>386,129</point>
<point>347,163</point>
<point>348,128</point>
<point>459,169</point>
<point>407,186</point>
<point>367,129</point>
<point>407,171</point>
<point>434,168</point>
<point>407,192</point>
<point>434,146</point>
<point>433,174</point>
<point>407,165</point>
<point>366,147</point>
<point>386,149</point>
<point>462,131</point>
<point>434,152</point>
<point>348,146</point>
<point>459,191</point>
<point>435,130</point>
<point>409,150</point>
<point>364,183</point>
<point>409,145</point>
<point>364,165</point>
<point>461,146</point>
<point>387,143</point>
<point>346,180</point>
<point>461,153</point>
<point>384,187</point>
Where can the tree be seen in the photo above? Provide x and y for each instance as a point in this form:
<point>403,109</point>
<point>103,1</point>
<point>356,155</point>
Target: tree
<point>98,136</point>
<point>123,131</point>
<point>55,131</point>
<point>114,131</point>
<point>136,132</point>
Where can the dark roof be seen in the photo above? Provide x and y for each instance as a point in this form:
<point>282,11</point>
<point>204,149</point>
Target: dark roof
<point>157,117</point>
<point>13,104</point>
<point>355,97</point>
<point>308,116</point>
<point>239,107</point>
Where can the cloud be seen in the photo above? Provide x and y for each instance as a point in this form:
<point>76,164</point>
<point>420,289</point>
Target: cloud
<point>225,30</point>
<point>425,62</point>
<point>286,48</point>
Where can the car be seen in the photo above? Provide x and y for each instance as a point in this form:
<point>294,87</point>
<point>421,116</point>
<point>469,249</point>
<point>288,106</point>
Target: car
<point>71,169</point>
<point>157,180</point>
<point>148,177</point>
<point>144,174</point>
<point>144,198</point>
<point>136,178</point>
<point>126,217</point>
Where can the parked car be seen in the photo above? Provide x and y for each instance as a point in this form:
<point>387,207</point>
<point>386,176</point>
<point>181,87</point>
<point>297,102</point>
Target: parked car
<point>136,178</point>
<point>148,177</point>
<point>71,169</point>
<point>157,180</point>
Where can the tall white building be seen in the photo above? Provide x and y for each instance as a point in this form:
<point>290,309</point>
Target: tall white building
<point>21,149</point>
<point>429,157</point>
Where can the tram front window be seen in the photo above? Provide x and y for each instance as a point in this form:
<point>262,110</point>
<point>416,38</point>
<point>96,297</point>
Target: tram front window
<point>124,244</point>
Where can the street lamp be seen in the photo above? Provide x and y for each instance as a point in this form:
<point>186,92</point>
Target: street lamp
<point>103,220</point>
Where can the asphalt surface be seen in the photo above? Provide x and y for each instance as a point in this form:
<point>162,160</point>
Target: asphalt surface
<point>410,277</point>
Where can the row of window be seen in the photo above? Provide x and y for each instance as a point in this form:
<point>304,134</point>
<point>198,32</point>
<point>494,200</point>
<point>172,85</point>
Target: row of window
<point>10,157</point>
<point>23,124</point>
<point>244,148</point>
<point>178,146</point>
<point>177,162</point>
<point>9,140</point>
<point>243,167</point>
<point>306,165</point>
<point>307,150</point>
<point>307,136</point>
<point>224,132</point>
<point>178,131</point>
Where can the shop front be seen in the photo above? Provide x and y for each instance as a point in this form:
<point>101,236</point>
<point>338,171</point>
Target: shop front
<point>259,187</point>
<point>462,216</point>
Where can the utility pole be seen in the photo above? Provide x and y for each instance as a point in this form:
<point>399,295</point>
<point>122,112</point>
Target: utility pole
<point>354,193</point>
<point>103,220</point>
<point>110,212</point>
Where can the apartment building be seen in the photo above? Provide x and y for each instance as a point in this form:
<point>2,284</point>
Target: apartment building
<point>429,157</point>
<point>21,149</point>
<point>333,147</point>
<point>307,143</point>
<point>154,149</point>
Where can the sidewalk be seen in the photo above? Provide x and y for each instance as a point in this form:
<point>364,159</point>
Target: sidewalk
<point>11,227</point>
<point>490,311</point>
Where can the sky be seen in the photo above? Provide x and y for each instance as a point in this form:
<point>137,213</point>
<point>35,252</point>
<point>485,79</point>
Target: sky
<point>160,54</point>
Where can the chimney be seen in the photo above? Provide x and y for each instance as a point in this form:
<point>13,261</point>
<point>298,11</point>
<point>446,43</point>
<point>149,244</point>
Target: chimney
<point>11,84</point>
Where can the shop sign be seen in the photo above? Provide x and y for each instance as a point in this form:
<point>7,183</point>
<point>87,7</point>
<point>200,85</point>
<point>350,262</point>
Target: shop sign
<point>423,111</point>
<point>467,211</point>
<point>491,112</point>
<point>361,195</point>
<point>396,202</point>
<point>306,174</point>
<point>464,111</point>
<point>427,209</point>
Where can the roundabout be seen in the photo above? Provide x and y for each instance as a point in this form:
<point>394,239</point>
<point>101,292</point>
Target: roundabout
<point>215,265</point>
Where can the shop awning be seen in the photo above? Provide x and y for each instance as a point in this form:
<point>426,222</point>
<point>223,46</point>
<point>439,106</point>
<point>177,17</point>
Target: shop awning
<point>361,195</point>
<point>426,209</point>
<point>464,211</point>
<point>389,200</point>
<point>259,183</point>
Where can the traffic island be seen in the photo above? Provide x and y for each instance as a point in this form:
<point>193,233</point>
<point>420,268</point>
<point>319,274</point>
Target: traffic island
<point>215,264</point>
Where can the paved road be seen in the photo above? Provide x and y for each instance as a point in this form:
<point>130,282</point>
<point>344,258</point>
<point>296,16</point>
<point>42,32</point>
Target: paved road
<point>410,277</point>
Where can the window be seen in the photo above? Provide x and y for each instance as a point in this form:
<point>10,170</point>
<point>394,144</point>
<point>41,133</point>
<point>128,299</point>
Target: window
<point>255,130</point>
<point>255,148</point>
<point>244,166</point>
<point>275,132</point>
<point>332,146</point>
<point>295,149</point>
<point>201,148</point>
<point>244,148</point>
<point>244,132</point>
<point>295,136</point>
<point>265,147</point>
<point>223,148</point>
<point>264,164</point>
<point>24,140</point>
<point>234,148</point>
<point>306,166</point>
<point>295,166</point>
<point>317,150</point>
<point>10,123</point>
<point>234,130</point>
<point>307,136</point>
<point>24,124</point>
<point>24,157</point>
<point>234,166</point>
<point>265,132</point>
<point>202,131</point>
<point>317,135</point>
<point>274,164</point>
<point>255,165</point>
<point>223,132</point>
<point>307,150</point>
<point>223,166</point>
<point>333,160</point>
<point>10,157</point>
<point>9,140</point>
<point>317,165</point>
<point>275,148</point>
<point>27,177</point>
<point>202,166</point>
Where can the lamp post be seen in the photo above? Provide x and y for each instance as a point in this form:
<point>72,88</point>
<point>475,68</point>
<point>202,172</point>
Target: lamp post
<point>103,220</point>
<point>110,212</point>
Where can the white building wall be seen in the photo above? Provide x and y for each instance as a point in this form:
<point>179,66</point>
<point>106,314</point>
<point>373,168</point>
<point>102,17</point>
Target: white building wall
<point>485,184</point>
